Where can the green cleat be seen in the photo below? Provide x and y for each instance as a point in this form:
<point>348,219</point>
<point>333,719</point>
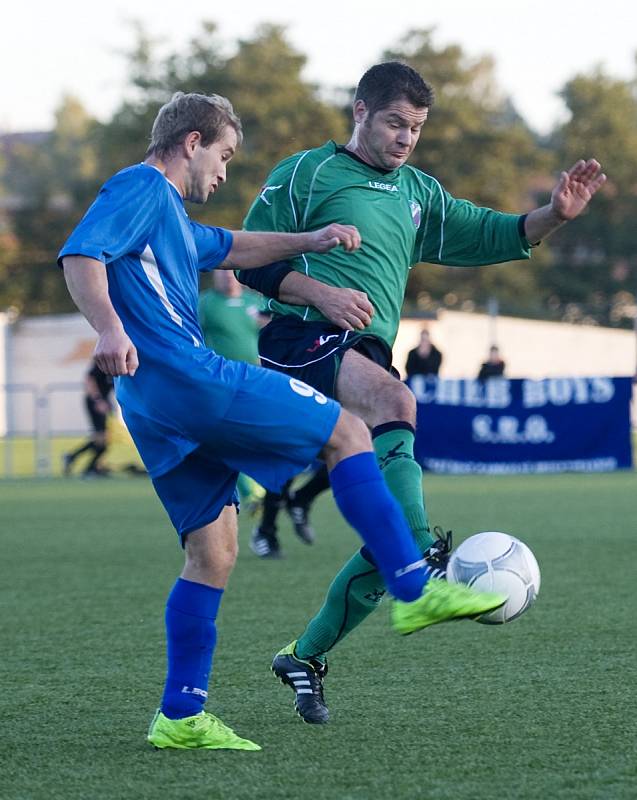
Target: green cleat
<point>203,731</point>
<point>440,602</point>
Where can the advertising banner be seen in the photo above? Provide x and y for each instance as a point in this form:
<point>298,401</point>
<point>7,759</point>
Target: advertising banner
<point>502,426</point>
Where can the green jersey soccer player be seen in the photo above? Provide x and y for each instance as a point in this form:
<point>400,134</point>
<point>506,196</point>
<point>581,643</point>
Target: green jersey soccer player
<point>336,316</point>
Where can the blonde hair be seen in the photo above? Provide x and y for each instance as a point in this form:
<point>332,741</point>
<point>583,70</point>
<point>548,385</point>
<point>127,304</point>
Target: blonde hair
<point>184,113</point>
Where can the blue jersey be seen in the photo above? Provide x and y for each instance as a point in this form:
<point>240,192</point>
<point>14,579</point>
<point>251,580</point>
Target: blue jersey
<point>138,227</point>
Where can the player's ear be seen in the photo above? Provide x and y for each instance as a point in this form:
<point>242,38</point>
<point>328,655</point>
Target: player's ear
<point>359,111</point>
<point>190,143</point>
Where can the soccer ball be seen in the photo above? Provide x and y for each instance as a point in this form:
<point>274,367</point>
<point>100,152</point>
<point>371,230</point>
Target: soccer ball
<point>497,562</point>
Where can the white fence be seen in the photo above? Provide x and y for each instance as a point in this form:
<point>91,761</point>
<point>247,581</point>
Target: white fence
<point>43,361</point>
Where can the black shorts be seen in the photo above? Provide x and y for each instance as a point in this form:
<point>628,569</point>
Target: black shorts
<point>98,420</point>
<point>313,351</point>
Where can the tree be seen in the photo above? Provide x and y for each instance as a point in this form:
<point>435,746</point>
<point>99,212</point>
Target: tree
<point>280,112</point>
<point>51,179</point>
<point>595,274</point>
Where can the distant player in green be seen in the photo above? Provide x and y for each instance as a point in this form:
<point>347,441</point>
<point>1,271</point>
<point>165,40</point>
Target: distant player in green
<point>336,317</point>
<point>230,320</point>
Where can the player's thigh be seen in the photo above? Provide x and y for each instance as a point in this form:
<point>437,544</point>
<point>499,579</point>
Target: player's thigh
<point>196,491</point>
<point>275,427</point>
<point>372,393</point>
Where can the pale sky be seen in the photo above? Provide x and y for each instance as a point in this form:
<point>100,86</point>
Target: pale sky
<point>67,46</point>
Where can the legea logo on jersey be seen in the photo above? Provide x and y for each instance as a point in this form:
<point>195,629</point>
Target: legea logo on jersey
<point>386,187</point>
<point>416,212</point>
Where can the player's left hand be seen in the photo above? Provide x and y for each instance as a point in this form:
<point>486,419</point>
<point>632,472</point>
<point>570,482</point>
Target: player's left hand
<point>331,236</point>
<point>575,189</point>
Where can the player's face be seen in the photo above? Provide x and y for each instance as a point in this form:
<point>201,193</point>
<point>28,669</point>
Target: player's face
<point>387,138</point>
<point>208,165</point>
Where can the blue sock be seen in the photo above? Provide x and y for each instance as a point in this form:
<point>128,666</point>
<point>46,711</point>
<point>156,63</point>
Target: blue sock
<point>191,634</point>
<point>364,500</point>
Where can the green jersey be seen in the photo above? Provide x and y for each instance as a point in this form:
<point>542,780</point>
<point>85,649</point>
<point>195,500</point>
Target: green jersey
<point>404,217</point>
<point>229,324</point>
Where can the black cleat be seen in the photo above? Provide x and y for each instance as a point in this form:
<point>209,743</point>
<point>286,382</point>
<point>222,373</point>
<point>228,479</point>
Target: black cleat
<point>305,678</point>
<point>437,556</point>
<point>96,472</point>
<point>298,515</point>
<point>264,543</point>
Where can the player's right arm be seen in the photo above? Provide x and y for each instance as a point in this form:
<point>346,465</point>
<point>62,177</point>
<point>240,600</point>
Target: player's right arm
<point>118,222</point>
<point>85,278</point>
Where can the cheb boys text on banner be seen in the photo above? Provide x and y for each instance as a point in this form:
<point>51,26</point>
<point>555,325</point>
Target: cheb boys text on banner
<point>522,425</point>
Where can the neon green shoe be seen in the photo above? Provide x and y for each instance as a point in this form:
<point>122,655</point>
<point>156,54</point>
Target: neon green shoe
<point>203,731</point>
<point>441,602</point>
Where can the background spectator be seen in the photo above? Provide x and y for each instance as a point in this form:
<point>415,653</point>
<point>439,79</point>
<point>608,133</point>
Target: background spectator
<point>493,367</point>
<point>424,359</point>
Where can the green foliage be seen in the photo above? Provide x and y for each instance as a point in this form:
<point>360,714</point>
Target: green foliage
<point>474,142</point>
<point>280,112</point>
<point>595,260</point>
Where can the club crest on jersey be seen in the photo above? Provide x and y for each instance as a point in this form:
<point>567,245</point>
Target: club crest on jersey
<point>387,187</point>
<point>416,212</point>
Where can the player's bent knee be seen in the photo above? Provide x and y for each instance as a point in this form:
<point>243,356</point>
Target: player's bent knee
<point>399,403</point>
<point>349,437</point>
<point>211,552</point>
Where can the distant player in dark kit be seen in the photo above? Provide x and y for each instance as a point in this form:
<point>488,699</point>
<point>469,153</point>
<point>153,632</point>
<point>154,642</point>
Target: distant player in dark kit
<point>335,318</point>
<point>297,501</point>
<point>98,391</point>
<point>198,419</point>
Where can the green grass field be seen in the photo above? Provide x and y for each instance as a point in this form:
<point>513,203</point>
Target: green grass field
<point>541,709</point>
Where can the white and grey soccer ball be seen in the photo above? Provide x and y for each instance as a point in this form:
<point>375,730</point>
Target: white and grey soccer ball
<point>496,562</point>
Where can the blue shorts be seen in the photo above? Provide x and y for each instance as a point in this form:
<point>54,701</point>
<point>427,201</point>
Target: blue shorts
<point>313,351</point>
<point>273,428</point>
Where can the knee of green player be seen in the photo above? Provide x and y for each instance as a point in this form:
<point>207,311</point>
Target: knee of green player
<point>397,403</point>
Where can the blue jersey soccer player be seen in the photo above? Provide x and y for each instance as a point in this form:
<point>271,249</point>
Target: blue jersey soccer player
<point>198,420</point>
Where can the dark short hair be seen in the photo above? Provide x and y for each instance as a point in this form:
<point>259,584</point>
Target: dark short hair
<point>183,113</point>
<point>393,80</point>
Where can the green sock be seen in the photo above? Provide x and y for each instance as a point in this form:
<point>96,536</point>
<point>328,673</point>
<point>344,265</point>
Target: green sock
<point>358,588</point>
<point>353,594</point>
<point>395,454</point>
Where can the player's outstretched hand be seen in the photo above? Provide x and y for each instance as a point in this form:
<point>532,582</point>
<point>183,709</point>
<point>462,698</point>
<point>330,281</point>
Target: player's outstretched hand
<point>332,235</point>
<point>347,308</point>
<point>575,188</point>
<point>115,354</point>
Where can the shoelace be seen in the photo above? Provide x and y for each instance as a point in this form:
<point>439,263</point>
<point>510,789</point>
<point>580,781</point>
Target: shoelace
<point>437,555</point>
<point>316,680</point>
<point>439,551</point>
<point>209,721</point>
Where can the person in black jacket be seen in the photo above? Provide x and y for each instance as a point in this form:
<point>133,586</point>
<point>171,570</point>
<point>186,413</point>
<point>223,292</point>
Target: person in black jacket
<point>493,367</point>
<point>424,359</point>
